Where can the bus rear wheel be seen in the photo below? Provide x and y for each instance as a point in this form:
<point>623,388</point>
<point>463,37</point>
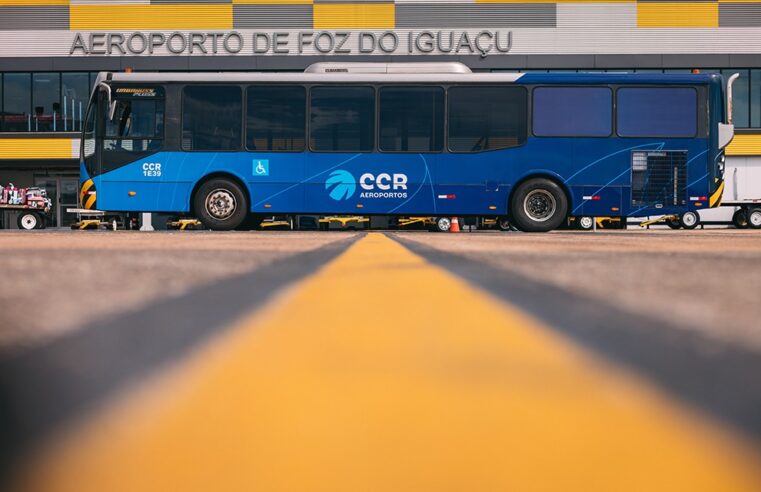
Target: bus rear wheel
<point>220,204</point>
<point>539,205</point>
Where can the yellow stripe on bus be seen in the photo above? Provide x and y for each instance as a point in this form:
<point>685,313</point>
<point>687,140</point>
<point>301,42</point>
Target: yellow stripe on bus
<point>382,372</point>
<point>90,201</point>
<point>85,188</point>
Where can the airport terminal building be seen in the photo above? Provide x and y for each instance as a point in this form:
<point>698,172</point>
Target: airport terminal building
<point>51,51</point>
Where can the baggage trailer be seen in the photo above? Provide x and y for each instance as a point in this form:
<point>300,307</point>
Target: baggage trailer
<point>30,216</point>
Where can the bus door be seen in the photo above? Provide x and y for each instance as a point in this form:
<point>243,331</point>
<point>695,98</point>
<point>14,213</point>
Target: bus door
<point>130,173</point>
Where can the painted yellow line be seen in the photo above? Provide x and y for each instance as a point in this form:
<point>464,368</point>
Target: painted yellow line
<point>382,372</point>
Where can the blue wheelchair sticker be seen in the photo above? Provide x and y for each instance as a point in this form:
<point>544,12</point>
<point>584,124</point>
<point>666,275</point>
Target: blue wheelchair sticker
<point>261,167</point>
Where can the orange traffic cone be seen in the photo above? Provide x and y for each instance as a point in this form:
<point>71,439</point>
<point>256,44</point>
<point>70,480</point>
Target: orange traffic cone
<point>455,225</point>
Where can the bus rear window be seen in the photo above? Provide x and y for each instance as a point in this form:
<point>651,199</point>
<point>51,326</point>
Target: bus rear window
<point>486,118</point>
<point>573,112</point>
<point>669,112</point>
<point>211,118</point>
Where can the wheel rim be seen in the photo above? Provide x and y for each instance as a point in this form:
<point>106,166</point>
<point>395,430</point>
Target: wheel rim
<point>586,222</point>
<point>221,203</point>
<point>689,219</point>
<point>755,218</point>
<point>444,224</point>
<point>29,221</point>
<point>539,205</point>
<point>504,224</point>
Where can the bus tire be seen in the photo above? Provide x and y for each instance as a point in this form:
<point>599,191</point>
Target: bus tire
<point>689,220</point>
<point>220,204</point>
<point>585,223</point>
<point>29,220</point>
<point>539,205</point>
<point>740,218</point>
<point>754,218</point>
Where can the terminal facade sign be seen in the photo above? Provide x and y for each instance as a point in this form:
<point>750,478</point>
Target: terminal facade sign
<point>462,42</point>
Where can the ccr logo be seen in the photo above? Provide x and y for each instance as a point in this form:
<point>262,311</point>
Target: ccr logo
<point>340,185</point>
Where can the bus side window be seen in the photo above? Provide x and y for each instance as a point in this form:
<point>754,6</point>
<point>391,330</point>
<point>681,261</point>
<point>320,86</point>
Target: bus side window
<point>276,118</point>
<point>342,119</point>
<point>211,118</point>
<point>411,119</point>
<point>572,112</point>
<point>670,112</point>
<point>487,118</point>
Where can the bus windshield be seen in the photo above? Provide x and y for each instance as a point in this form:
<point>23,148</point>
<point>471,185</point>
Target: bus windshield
<point>137,125</point>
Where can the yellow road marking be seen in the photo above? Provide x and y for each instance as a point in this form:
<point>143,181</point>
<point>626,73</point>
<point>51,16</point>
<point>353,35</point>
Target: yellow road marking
<point>382,372</point>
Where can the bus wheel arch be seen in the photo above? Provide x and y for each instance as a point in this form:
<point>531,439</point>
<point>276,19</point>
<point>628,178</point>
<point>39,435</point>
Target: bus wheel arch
<point>549,190</point>
<point>221,201</point>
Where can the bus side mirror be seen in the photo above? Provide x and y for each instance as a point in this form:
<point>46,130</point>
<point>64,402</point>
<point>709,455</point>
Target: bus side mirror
<point>111,101</point>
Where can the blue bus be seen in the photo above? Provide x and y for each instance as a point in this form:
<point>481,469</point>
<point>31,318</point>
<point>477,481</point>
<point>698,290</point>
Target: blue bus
<point>404,139</point>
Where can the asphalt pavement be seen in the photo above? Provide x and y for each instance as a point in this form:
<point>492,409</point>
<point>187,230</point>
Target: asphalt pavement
<point>622,360</point>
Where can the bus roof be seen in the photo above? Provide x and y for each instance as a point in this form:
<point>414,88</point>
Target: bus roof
<point>570,78</point>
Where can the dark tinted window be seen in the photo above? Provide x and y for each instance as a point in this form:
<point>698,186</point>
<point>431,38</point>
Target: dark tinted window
<point>275,118</point>
<point>657,112</point>
<point>17,98</point>
<point>486,118</point>
<point>75,92</point>
<point>46,101</point>
<point>411,119</point>
<point>211,118</point>
<point>342,119</point>
<point>573,111</point>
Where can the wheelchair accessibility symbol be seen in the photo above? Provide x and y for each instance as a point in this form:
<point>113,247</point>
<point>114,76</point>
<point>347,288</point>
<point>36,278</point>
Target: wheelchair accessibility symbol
<point>261,167</point>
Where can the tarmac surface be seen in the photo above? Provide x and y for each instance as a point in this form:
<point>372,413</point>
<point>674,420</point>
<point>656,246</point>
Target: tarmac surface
<point>620,360</point>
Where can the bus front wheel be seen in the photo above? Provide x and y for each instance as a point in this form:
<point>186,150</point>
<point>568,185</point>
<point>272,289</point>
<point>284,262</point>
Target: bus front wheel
<point>220,204</point>
<point>539,205</point>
